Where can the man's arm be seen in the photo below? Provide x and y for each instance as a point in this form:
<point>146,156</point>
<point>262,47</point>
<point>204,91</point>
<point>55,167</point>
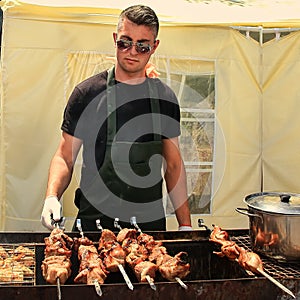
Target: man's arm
<point>175,178</point>
<point>60,174</point>
<point>61,167</point>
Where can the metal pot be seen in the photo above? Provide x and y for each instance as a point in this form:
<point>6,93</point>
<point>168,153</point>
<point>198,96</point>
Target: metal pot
<point>274,224</point>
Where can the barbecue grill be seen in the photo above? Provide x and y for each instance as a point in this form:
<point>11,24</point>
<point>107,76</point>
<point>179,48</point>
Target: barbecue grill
<point>211,277</point>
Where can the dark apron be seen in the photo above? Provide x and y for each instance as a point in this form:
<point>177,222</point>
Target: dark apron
<point>128,183</point>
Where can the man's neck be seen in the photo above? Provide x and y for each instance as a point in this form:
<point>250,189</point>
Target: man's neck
<point>129,78</point>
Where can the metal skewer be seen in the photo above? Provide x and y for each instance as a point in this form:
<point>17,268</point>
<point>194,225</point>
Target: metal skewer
<point>98,224</point>
<point>125,276</point>
<point>149,279</point>
<point>116,224</point>
<point>182,284</point>
<point>151,283</point>
<point>58,224</point>
<point>262,272</point>
<point>134,223</point>
<point>96,283</point>
<point>97,288</point>
<point>78,225</point>
<point>247,271</point>
<point>58,288</point>
<point>121,268</point>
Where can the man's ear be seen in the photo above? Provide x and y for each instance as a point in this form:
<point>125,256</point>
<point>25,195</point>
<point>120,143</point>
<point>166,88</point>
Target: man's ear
<point>156,43</point>
<point>115,35</point>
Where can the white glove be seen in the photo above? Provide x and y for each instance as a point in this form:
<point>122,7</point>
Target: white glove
<point>185,228</point>
<point>52,206</point>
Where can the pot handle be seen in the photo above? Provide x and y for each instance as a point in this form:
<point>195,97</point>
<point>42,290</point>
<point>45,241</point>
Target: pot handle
<point>245,211</point>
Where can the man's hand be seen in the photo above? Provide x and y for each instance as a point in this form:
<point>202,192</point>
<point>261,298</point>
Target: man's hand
<point>52,208</point>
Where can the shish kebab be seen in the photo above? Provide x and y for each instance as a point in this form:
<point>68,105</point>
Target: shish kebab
<point>146,256</point>
<point>247,259</point>
<point>112,253</point>
<point>136,255</point>
<point>56,266</point>
<point>91,270</point>
<point>157,249</point>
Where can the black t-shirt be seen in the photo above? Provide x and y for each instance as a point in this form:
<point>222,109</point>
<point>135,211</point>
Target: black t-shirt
<point>86,113</point>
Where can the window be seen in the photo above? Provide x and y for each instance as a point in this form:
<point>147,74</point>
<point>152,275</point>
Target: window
<point>193,81</point>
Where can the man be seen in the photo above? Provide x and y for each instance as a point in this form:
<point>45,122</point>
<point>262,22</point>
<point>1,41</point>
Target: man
<point>125,122</point>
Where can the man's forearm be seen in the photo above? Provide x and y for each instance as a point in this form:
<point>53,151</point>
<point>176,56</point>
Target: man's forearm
<point>177,189</point>
<point>60,174</point>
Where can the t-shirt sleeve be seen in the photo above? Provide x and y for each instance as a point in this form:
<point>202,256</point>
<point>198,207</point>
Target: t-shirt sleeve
<point>170,114</point>
<point>72,113</point>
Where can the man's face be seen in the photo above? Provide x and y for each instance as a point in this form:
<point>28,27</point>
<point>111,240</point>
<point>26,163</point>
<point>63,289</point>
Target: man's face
<point>131,61</point>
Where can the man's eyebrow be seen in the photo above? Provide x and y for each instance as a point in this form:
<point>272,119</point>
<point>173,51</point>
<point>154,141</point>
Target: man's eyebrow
<point>130,39</point>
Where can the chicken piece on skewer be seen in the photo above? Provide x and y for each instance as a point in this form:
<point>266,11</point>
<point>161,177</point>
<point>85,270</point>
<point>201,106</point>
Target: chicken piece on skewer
<point>91,268</point>
<point>250,261</point>
<point>58,243</point>
<point>107,240</point>
<point>158,255</point>
<point>218,235</point>
<point>111,251</point>
<point>229,249</point>
<point>176,267</point>
<point>81,241</point>
<point>148,241</point>
<point>136,253</point>
<point>56,265</point>
<point>126,233</point>
<point>144,269</point>
<point>113,258</point>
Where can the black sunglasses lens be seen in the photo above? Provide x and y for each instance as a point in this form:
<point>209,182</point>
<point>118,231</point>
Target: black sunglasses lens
<point>143,48</point>
<point>123,45</point>
<point>140,47</point>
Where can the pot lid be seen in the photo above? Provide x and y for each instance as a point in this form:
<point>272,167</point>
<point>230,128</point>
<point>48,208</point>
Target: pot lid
<point>280,203</point>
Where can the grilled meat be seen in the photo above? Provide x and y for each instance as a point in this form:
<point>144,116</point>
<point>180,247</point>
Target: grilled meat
<point>56,266</point>
<point>3,253</point>
<point>58,243</point>
<point>248,260</point>
<point>126,233</point>
<point>230,250</point>
<point>218,235</point>
<point>23,255</point>
<point>145,268</point>
<point>111,251</point>
<point>91,267</point>
<point>176,267</point>
<point>57,263</point>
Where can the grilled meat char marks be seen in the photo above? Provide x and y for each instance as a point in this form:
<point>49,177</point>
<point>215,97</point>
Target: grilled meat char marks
<point>176,267</point>
<point>146,256</point>
<point>140,251</point>
<point>247,259</point>
<point>57,264</point>
<point>111,251</point>
<point>16,264</point>
<point>91,267</point>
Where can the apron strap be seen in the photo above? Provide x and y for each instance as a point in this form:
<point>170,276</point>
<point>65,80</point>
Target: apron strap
<point>112,105</point>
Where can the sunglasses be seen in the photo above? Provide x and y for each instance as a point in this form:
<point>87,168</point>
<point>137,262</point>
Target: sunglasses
<point>140,47</point>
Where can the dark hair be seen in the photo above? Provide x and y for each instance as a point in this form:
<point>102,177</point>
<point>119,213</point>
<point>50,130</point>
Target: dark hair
<point>140,15</point>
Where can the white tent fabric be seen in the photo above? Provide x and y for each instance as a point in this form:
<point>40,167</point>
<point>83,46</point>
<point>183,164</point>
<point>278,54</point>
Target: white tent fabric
<point>49,46</point>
